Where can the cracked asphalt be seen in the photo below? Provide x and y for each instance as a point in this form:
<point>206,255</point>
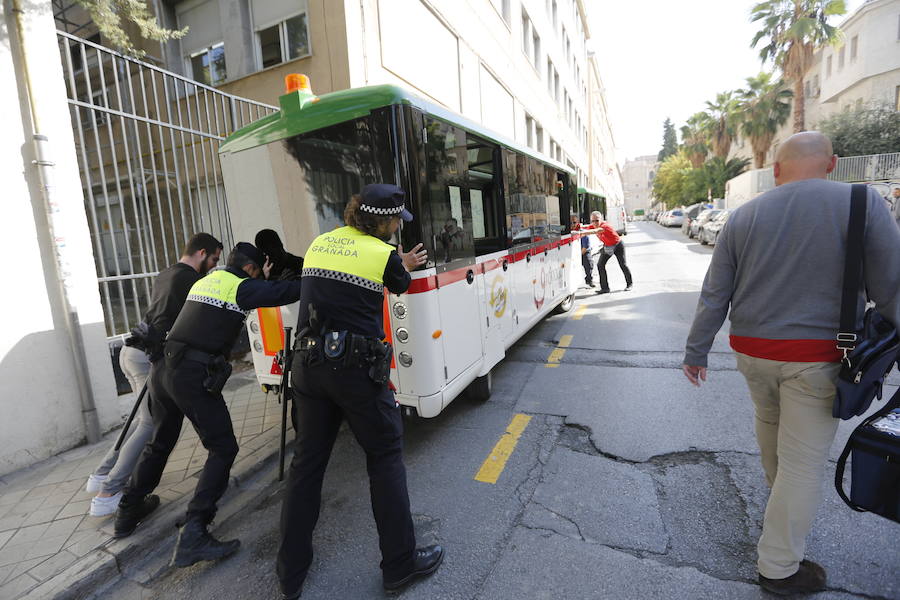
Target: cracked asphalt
<point>627,483</point>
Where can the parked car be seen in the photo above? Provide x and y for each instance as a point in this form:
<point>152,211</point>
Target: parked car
<point>701,220</point>
<point>690,213</point>
<point>709,233</point>
<point>674,218</point>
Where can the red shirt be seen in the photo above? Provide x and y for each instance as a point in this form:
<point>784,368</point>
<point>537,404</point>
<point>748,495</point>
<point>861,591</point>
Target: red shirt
<point>608,235</point>
<point>787,350</point>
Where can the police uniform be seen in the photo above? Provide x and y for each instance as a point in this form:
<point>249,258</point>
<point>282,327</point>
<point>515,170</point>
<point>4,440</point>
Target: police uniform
<point>344,276</point>
<point>188,383</point>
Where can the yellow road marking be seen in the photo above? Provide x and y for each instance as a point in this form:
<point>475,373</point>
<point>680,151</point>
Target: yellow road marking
<point>557,354</point>
<point>579,312</point>
<point>493,465</point>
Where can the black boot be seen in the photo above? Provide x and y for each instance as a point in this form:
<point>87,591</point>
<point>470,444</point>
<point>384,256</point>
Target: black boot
<point>128,517</point>
<point>196,544</point>
<point>425,562</point>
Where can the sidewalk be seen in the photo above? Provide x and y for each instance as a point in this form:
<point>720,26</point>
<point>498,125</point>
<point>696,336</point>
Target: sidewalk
<point>48,543</point>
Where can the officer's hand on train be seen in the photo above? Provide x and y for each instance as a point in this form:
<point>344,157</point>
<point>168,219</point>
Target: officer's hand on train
<point>267,268</point>
<point>413,259</point>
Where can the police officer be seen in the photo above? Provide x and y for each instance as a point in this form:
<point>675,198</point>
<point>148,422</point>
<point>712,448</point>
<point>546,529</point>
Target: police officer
<point>188,382</point>
<point>340,371</point>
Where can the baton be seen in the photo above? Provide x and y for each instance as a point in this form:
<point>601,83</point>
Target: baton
<point>283,393</point>
<point>134,410</point>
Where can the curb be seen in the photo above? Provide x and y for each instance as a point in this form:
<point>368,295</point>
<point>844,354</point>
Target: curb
<point>144,556</point>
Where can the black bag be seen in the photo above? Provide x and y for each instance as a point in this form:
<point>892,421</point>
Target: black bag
<point>869,354</point>
<point>875,465</point>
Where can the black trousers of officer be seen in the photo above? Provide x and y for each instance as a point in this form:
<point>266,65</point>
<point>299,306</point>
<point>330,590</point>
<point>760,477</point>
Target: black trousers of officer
<point>323,396</point>
<point>177,392</point>
<point>619,253</point>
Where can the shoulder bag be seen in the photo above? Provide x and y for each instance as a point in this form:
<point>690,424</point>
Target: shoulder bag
<point>870,353</point>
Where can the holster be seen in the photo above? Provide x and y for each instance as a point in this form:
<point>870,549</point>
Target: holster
<point>309,351</point>
<point>380,370</point>
<point>218,371</point>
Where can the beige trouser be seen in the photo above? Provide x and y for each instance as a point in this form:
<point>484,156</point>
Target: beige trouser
<point>795,430</point>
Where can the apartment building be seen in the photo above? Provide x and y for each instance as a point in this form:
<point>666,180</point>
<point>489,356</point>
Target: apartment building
<point>637,180</point>
<point>863,69</point>
<point>519,67</point>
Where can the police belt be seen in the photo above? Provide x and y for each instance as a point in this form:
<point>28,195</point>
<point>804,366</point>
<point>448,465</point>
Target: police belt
<point>199,356</point>
<point>342,348</point>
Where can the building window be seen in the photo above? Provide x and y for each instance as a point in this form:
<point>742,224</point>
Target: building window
<point>529,131</point>
<point>556,86</point>
<point>828,66</point>
<point>806,90</point>
<point>208,65</point>
<point>841,59</point>
<point>897,98</point>
<point>284,41</point>
<point>555,15</point>
<point>536,48</point>
<point>817,89</point>
<point>550,77</point>
<point>538,138</point>
<point>854,46</point>
<point>526,33</point>
<point>502,7</point>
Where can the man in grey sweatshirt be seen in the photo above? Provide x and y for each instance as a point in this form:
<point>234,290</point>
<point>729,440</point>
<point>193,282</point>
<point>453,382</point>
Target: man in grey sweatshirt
<point>778,265</point>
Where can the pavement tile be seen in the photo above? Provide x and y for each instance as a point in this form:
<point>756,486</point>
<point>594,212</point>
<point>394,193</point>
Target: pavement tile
<point>5,535</point>
<point>14,522</point>
<point>47,546</point>
<point>11,555</point>
<point>56,500</point>
<point>44,515</point>
<point>25,507</point>
<point>13,497</point>
<point>170,479</point>
<point>178,465</point>
<point>4,573</point>
<point>72,509</point>
<point>63,526</point>
<point>42,491</point>
<point>53,565</point>
<point>17,586</point>
<point>28,534</point>
<point>185,486</point>
<point>84,542</point>
<point>73,484</point>
<point>25,566</point>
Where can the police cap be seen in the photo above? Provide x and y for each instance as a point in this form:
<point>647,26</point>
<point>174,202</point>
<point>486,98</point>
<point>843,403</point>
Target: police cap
<point>384,199</point>
<point>251,252</point>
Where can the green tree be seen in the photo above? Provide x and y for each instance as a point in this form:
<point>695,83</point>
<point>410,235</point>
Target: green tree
<point>717,171</point>
<point>721,127</point>
<point>791,32</point>
<point>693,139</point>
<point>671,178</point>
<point>765,106</point>
<point>670,141</point>
<point>863,130</point>
<point>110,15</point>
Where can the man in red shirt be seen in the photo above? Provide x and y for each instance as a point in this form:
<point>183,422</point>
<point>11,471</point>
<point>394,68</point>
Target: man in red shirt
<point>612,246</point>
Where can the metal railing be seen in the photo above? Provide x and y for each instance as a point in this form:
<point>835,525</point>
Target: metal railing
<point>867,168</point>
<point>147,142</point>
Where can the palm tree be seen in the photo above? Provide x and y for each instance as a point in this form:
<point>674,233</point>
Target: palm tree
<point>721,127</point>
<point>718,171</point>
<point>693,139</point>
<point>765,106</point>
<point>793,30</point>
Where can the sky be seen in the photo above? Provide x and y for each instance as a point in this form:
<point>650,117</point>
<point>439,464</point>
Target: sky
<point>660,58</point>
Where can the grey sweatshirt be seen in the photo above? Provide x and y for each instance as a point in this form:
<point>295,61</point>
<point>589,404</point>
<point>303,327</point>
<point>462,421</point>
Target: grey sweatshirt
<point>779,262</point>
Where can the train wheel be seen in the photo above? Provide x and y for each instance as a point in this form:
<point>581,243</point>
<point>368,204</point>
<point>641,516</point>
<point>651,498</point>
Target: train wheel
<point>481,388</point>
<point>566,305</point>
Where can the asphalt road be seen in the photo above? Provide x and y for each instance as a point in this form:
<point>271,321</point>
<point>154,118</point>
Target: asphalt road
<point>626,483</point>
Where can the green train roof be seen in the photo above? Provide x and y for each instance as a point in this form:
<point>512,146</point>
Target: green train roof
<point>582,190</point>
<point>302,112</point>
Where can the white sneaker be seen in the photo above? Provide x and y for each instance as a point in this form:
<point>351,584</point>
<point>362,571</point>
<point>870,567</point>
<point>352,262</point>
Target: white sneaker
<point>94,483</point>
<point>100,507</point>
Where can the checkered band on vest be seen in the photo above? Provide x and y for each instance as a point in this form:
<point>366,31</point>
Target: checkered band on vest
<point>217,303</point>
<point>346,278</point>
<point>394,210</point>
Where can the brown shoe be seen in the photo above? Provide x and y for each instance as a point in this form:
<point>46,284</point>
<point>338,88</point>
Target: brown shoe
<point>810,577</point>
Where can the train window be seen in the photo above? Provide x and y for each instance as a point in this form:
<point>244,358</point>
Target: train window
<point>533,209</point>
<point>337,161</point>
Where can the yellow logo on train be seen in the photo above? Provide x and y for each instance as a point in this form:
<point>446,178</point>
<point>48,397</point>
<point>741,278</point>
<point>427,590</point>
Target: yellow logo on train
<point>498,296</point>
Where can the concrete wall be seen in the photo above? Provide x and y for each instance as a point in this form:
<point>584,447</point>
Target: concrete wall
<point>39,399</point>
<point>637,180</point>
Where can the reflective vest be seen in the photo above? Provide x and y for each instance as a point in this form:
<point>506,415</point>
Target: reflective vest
<point>211,318</point>
<point>350,256</point>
